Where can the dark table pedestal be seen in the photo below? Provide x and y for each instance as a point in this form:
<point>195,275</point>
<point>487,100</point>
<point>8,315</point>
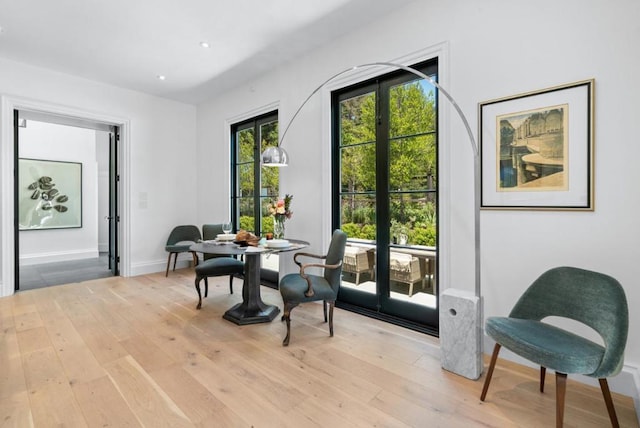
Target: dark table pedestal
<point>252,310</point>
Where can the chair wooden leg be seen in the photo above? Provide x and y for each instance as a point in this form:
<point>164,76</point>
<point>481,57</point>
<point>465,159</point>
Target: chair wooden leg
<point>206,287</point>
<point>286,316</point>
<point>168,264</point>
<point>543,373</point>
<point>196,260</point>
<point>199,294</point>
<point>175,259</point>
<point>231,284</point>
<point>492,364</point>
<point>604,386</point>
<point>324,309</point>
<point>331,305</point>
<point>561,389</point>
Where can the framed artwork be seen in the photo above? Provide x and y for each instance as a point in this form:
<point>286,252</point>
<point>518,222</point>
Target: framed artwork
<point>49,194</point>
<point>536,149</point>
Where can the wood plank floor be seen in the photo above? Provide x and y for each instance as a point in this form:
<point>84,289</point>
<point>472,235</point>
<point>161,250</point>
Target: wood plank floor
<point>122,352</point>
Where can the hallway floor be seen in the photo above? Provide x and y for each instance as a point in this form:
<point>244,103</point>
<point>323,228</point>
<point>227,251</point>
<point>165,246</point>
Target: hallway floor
<point>47,274</point>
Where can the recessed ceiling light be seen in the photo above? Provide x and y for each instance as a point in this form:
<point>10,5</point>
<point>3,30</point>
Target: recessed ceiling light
<point>161,77</point>
<point>204,44</point>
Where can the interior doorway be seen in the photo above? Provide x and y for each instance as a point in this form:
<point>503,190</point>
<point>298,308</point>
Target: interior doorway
<point>66,199</point>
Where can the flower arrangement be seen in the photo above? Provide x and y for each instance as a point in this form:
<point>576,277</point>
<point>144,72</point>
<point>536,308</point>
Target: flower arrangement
<point>281,209</point>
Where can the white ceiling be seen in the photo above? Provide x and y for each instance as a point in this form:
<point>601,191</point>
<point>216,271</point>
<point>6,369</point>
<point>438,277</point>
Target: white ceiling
<point>128,43</point>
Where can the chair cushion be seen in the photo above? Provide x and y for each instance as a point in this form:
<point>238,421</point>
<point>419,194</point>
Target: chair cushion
<point>293,287</point>
<point>546,345</point>
<point>179,247</point>
<point>220,266</point>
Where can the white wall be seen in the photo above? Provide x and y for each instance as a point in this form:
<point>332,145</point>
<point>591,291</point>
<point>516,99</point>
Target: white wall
<point>48,141</point>
<point>496,48</point>
<point>161,156</point>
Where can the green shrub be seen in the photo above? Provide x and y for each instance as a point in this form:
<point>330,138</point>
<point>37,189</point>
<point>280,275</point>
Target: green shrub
<point>423,236</point>
<point>351,229</point>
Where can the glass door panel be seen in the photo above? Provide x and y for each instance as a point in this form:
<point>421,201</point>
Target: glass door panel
<point>358,195</point>
<point>269,190</point>
<point>245,170</point>
<point>411,256</point>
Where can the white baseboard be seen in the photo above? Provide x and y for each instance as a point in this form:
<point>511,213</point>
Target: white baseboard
<point>103,247</point>
<point>58,256</point>
<point>144,268</point>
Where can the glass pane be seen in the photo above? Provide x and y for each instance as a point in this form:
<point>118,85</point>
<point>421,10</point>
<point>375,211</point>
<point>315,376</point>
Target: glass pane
<point>246,214</point>
<point>412,250</point>
<point>412,109</point>
<point>412,275</point>
<point>358,119</point>
<point>270,176</point>
<point>413,219</point>
<point>245,145</point>
<point>412,163</point>
<point>270,182</point>
<point>245,180</point>
<point>358,216</point>
<point>268,135</point>
<point>267,219</point>
<point>358,168</point>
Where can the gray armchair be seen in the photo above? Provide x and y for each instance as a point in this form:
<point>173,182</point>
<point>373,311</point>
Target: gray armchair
<point>591,298</point>
<point>297,288</point>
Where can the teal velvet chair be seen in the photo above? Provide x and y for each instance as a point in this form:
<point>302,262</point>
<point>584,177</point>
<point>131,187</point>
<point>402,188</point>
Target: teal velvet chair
<point>179,241</point>
<point>591,298</point>
<point>302,287</point>
<point>213,265</point>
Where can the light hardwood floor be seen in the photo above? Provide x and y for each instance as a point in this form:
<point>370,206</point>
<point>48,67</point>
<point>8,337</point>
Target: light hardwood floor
<point>135,352</point>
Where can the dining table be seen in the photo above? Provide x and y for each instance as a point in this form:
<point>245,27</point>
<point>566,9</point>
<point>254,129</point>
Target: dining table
<point>252,310</point>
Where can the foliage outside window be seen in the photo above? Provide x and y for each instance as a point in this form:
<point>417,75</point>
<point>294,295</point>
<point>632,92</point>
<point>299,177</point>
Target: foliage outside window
<point>411,164</point>
<point>254,186</point>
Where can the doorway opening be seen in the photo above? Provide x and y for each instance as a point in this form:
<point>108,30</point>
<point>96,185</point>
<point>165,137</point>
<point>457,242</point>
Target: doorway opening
<point>65,199</point>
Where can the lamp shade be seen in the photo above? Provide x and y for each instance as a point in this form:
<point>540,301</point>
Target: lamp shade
<point>275,156</point>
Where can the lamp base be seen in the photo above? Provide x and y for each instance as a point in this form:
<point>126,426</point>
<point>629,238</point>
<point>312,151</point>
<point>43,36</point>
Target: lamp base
<point>460,333</point>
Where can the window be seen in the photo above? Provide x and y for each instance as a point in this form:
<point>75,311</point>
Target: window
<point>252,186</point>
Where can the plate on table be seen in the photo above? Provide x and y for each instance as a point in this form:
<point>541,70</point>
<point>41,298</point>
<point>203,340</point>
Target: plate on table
<point>226,236</point>
<point>278,243</point>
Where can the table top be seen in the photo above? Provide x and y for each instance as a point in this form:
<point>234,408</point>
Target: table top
<point>230,249</point>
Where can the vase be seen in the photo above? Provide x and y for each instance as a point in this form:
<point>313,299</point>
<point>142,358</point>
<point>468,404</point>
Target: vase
<point>278,227</point>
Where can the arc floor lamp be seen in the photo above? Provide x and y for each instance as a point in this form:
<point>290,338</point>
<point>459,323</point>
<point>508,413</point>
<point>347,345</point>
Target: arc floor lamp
<point>472,367</point>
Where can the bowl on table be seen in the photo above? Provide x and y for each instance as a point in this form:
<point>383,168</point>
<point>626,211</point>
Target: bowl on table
<point>277,243</point>
<point>226,237</point>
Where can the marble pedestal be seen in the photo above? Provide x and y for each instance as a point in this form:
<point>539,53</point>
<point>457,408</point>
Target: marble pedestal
<point>460,333</point>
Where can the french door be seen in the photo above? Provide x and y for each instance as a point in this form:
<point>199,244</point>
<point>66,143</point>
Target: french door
<point>385,196</point>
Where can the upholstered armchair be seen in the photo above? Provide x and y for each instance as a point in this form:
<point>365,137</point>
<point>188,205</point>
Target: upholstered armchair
<point>302,287</point>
